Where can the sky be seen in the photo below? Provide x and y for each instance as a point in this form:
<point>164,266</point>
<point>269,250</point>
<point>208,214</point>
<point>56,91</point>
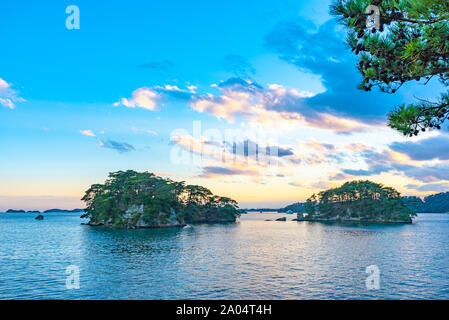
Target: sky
<point>256,100</point>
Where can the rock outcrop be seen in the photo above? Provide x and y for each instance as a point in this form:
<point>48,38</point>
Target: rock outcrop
<point>137,217</point>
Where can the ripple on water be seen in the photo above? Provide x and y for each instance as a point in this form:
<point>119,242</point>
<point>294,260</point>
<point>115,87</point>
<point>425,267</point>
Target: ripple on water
<point>252,259</point>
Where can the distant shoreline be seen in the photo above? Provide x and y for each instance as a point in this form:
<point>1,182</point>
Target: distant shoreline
<point>356,221</point>
<point>46,211</point>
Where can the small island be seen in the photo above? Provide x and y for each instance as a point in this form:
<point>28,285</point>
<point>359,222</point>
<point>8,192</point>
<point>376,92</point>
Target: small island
<point>361,201</point>
<point>63,210</point>
<point>46,211</point>
<point>15,211</point>
<point>130,199</point>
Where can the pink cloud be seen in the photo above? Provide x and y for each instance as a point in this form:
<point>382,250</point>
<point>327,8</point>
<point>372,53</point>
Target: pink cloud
<point>88,133</point>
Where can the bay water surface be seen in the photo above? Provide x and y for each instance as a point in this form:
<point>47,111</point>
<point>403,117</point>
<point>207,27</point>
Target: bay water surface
<point>252,259</point>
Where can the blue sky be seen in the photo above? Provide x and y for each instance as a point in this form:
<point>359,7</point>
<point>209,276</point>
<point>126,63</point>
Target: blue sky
<point>126,89</point>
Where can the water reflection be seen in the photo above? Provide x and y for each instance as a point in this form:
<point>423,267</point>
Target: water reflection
<point>252,259</point>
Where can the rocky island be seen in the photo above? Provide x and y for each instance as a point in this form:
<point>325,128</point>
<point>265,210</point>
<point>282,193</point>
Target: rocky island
<point>130,199</point>
<point>361,201</point>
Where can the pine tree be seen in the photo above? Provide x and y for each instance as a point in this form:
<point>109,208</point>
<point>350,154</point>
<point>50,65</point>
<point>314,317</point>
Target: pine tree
<point>408,40</point>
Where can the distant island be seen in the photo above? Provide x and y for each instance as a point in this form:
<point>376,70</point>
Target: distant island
<point>129,199</point>
<point>435,203</point>
<point>46,211</point>
<point>62,210</point>
<point>362,201</point>
<point>15,211</point>
<point>291,208</point>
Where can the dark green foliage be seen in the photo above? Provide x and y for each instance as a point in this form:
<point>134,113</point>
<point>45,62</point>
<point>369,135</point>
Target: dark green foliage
<point>200,205</point>
<point>295,207</point>
<point>437,203</point>
<point>411,44</point>
<point>359,200</point>
<point>414,203</point>
<point>159,196</point>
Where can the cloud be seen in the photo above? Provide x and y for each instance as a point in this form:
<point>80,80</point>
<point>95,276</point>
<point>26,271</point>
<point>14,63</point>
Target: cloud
<point>238,65</point>
<point>121,147</point>
<point>321,50</point>
<point>213,172</point>
<point>389,160</point>
<point>275,106</point>
<point>340,176</point>
<point>7,102</point>
<point>377,162</point>
<point>318,153</point>
<point>244,158</point>
<point>357,147</point>
<point>428,173</point>
<point>151,97</point>
<point>197,146</point>
<point>88,133</point>
<point>176,92</point>
<point>249,148</point>
<point>145,98</point>
<point>232,150</point>
<point>223,159</point>
<point>318,146</point>
<point>322,185</point>
<point>426,149</point>
<point>3,85</point>
<point>8,96</point>
<point>435,187</point>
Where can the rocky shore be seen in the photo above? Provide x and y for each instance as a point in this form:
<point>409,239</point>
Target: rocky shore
<point>315,218</point>
<point>133,218</point>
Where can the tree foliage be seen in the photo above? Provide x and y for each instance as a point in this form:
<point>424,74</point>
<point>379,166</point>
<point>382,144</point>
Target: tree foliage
<point>295,207</point>
<point>410,44</point>
<point>359,200</point>
<point>123,189</point>
<point>436,203</point>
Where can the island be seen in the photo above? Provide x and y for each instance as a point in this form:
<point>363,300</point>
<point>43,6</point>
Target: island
<point>130,199</point>
<point>63,210</point>
<point>435,203</point>
<point>291,208</point>
<point>46,211</point>
<point>361,201</point>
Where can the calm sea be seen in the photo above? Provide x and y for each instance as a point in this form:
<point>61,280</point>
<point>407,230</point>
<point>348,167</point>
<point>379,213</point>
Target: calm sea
<point>253,259</point>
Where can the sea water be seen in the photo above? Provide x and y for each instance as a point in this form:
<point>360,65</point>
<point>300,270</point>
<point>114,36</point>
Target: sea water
<point>251,259</point>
